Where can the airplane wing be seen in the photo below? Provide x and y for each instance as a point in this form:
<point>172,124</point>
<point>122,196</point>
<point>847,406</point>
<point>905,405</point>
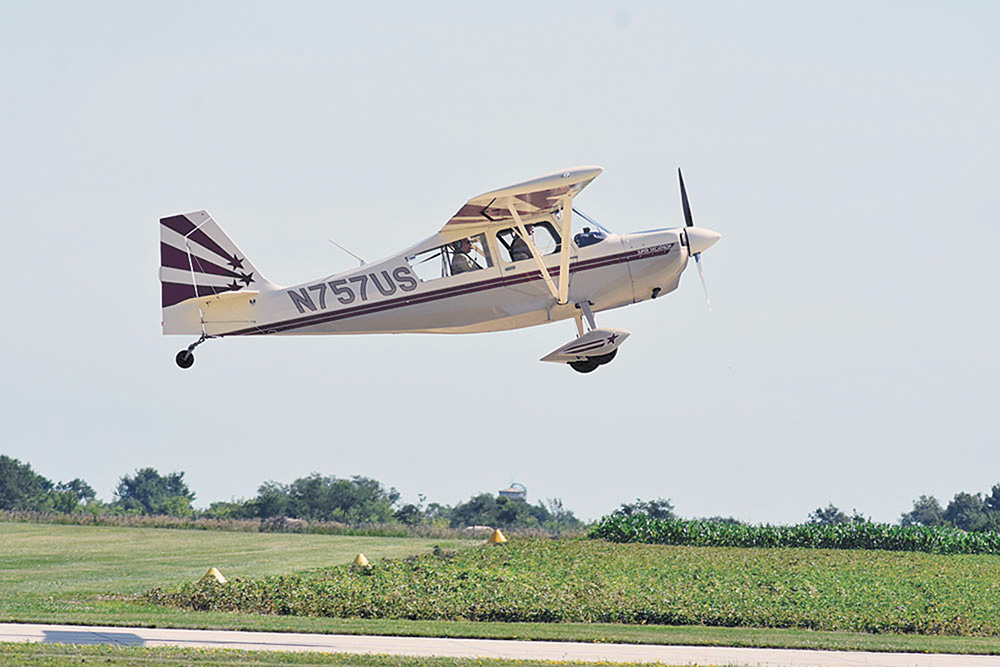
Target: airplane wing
<point>542,195</point>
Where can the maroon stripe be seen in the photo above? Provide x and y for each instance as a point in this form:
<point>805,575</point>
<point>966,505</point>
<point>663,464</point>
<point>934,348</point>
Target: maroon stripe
<point>172,293</point>
<point>204,266</point>
<point>543,199</point>
<point>178,223</point>
<point>183,226</point>
<point>585,348</point>
<point>368,309</point>
<point>174,258</point>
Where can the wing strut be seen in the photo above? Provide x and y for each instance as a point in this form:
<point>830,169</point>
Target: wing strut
<point>560,293</point>
<point>567,228</point>
<point>534,251</point>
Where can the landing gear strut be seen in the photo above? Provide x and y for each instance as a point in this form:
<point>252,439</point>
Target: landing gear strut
<point>589,364</point>
<point>592,348</point>
<point>185,358</point>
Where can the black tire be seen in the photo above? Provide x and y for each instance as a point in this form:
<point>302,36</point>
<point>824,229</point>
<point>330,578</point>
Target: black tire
<point>585,366</point>
<point>184,359</point>
<point>605,358</point>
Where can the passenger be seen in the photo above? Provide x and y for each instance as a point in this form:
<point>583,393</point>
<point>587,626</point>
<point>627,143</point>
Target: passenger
<point>518,248</point>
<point>461,262</point>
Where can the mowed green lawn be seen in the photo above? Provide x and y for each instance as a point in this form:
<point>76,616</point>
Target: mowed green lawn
<point>47,655</point>
<point>51,572</point>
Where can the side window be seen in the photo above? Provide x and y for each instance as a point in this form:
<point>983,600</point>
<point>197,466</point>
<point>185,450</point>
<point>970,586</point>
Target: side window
<point>589,237</point>
<point>514,249</point>
<point>451,259</point>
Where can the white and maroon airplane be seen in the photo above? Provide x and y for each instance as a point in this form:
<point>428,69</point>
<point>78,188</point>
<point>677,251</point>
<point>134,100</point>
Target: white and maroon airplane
<point>507,259</point>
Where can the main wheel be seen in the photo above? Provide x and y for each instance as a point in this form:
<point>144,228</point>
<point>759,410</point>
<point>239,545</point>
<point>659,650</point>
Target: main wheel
<point>585,366</point>
<point>605,358</point>
<point>184,359</point>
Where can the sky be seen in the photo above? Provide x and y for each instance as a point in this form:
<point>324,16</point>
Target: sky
<point>847,153</point>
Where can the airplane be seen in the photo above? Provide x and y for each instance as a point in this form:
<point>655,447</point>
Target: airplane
<point>507,259</point>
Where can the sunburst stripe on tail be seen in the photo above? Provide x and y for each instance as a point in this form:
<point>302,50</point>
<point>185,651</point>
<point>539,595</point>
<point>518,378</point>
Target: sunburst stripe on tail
<point>183,225</point>
<point>175,258</point>
<point>187,242</point>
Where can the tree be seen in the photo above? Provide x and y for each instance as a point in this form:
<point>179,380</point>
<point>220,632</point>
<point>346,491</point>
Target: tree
<point>271,500</point>
<point>480,510</point>
<point>79,488</point>
<point>560,518</point>
<point>858,517</point>
<point>831,516</point>
<point>231,509</point>
<point>926,512</point>
<point>409,515</point>
<point>732,521</point>
<point>438,513</point>
<point>967,511</point>
<point>68,496</point>
<point>318,498</point>
<point>21,488</point>
<point>486,509</point>
<point>992,501</point>
<point>148,492</point>
<point>656,509</point>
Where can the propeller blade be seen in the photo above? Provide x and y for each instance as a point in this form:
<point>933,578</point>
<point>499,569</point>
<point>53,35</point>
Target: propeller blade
<point>701,274</point>
<point>688,219</point>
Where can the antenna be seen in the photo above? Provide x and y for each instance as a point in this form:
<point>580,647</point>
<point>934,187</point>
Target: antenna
<point>347,251</point>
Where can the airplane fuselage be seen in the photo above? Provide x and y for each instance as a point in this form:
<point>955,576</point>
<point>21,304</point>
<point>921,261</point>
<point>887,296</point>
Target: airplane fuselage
<point>389,296</point>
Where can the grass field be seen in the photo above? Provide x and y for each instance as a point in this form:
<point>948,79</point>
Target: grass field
<point>48,654</point>
<point>50,572</point>
<point>77,574</point>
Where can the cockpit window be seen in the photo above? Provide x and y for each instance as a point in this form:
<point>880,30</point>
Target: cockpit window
<point>451,259</point>
<point>589,237</point>
<point>514,249</point>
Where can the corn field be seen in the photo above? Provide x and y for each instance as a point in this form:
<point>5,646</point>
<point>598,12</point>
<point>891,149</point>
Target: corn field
<point>859,535</point>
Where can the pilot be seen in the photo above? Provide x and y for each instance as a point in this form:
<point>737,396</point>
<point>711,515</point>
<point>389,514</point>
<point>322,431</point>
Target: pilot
<point>518,248</point>
<point>460,260</point>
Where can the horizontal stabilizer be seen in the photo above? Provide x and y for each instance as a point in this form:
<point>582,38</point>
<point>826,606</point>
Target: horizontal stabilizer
<point>215,314</point>
<point>594,343</point>
<point>226,298</point>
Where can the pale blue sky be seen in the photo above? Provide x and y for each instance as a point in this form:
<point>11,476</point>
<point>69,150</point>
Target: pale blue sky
<point>846,151</point>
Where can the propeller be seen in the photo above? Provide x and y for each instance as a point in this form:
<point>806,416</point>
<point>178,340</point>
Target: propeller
<point>689,222</point>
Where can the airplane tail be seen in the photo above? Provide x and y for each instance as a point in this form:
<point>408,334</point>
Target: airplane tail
<point>198,259</point>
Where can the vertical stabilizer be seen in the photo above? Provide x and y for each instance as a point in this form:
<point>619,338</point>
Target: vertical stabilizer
<point>198,259</point>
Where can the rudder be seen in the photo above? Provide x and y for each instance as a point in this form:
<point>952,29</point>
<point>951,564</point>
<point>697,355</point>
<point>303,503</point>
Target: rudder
<point>198,259</point>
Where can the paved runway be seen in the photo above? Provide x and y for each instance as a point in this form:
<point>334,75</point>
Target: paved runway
<point>477,648</point>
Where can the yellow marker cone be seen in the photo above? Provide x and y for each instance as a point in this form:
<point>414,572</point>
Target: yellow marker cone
<point>213,574</point>
<point>360,561</point>
<point>497,537</point>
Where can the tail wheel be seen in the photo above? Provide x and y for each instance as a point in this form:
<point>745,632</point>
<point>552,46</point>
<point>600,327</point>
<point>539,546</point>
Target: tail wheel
<point>184,359</point>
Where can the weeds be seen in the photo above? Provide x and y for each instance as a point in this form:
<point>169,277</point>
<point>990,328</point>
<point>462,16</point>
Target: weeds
<point>533,580</point>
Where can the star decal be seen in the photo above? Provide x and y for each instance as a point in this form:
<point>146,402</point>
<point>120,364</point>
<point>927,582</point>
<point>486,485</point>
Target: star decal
<point>612,338</point>
<point>246,278</point>
<point>234,285</point>
<point>236,262</point>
